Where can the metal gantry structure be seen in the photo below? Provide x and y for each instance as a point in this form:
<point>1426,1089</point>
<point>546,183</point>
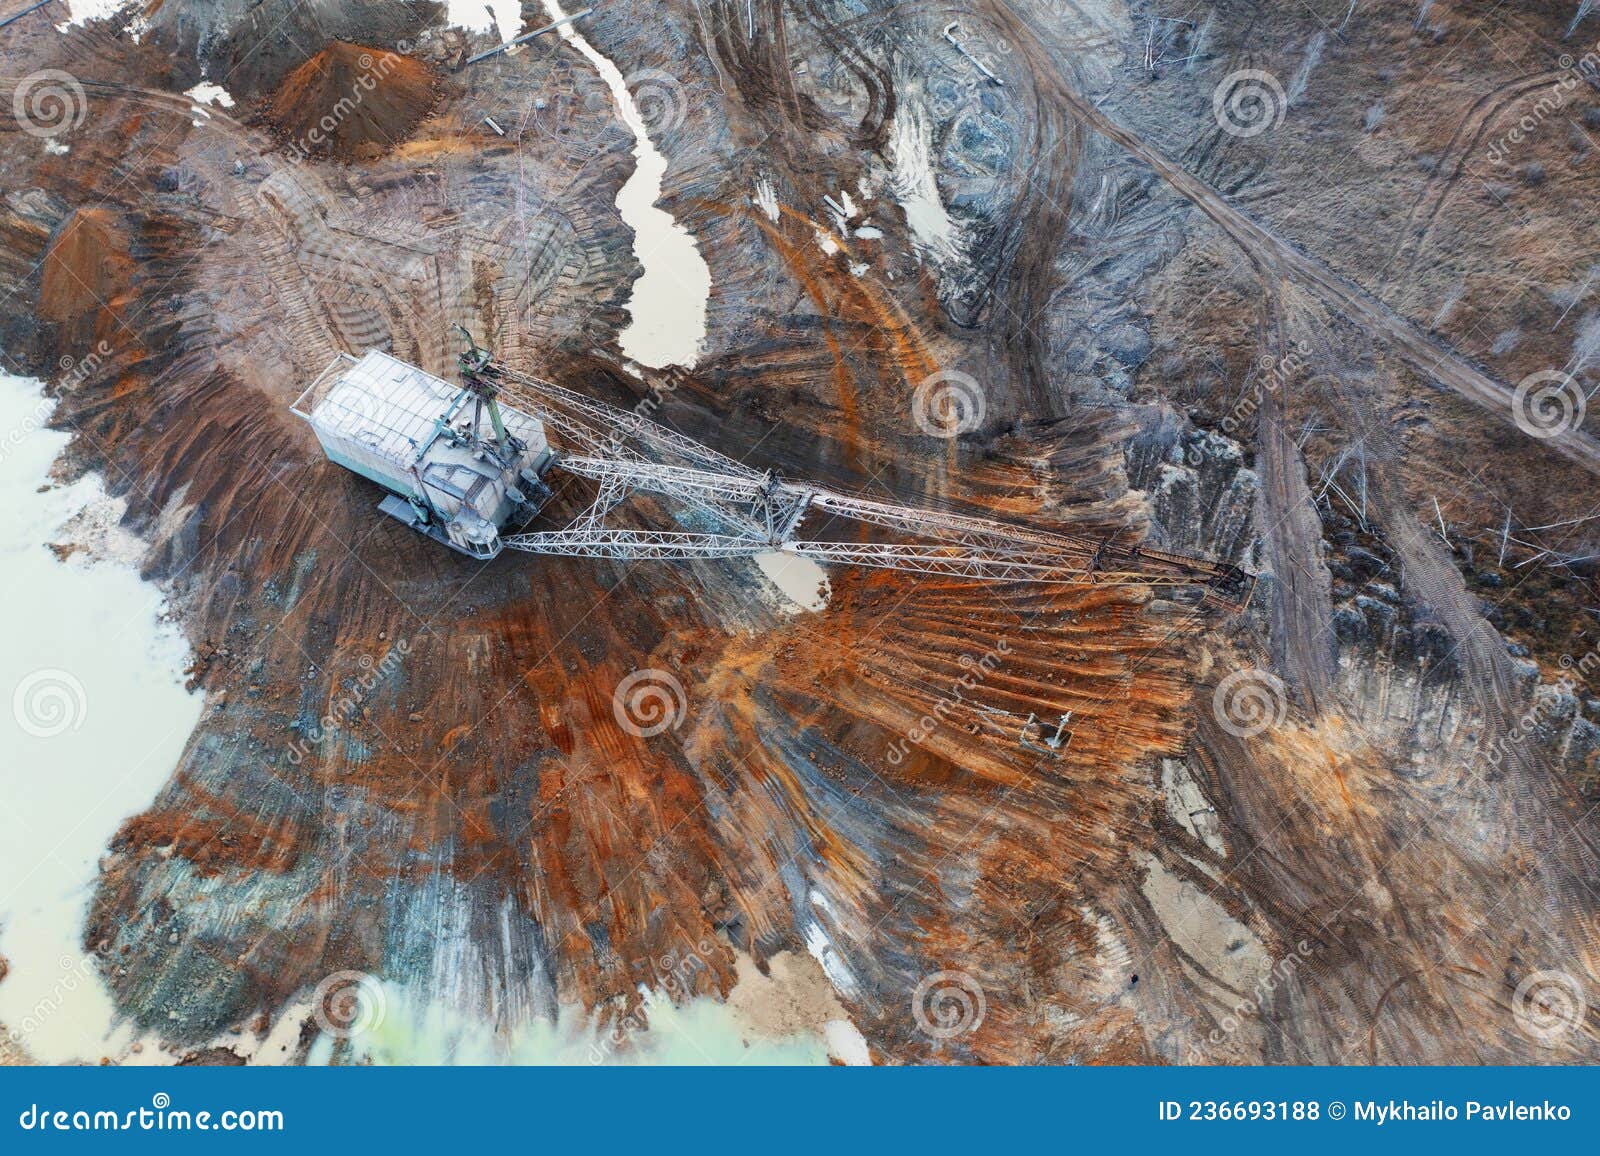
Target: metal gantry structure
<point>723,508</point>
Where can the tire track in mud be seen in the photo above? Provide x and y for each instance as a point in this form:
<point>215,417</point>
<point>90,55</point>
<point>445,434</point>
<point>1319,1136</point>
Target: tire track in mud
<point>873,131</point>
<point>1056,146</point>
<point>1427,355</point>
<point>1447,173</point>
<point>1301,604</point>
<point>1517,809</point>
<point>1277,886</point>
<point>1345,1008</point>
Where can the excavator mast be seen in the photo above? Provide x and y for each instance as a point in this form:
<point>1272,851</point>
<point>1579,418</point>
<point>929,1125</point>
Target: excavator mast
<point>739,511</point>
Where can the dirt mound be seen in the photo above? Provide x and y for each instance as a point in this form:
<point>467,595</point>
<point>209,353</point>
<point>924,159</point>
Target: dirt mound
<point>352,102</point>
<point>87,273</point>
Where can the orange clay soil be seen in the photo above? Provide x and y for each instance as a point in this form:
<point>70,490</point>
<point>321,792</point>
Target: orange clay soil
<point>353,103</point>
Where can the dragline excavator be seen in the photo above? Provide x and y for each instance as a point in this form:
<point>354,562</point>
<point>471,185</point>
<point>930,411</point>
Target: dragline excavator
<point>463,464</point>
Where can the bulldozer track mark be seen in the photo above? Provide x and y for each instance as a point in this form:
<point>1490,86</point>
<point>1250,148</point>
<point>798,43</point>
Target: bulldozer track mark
<point>1447,174</point>
<point>1427,355</point>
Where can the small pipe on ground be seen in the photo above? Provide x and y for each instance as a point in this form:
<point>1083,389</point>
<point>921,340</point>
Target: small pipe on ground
<point>554,24</point>
<point>24,12</point>
<point>973,60</point>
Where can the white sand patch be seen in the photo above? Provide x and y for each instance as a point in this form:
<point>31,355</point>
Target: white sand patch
<point>789,1016</point>
<point>767,199</point>
<point>847,1044</point>
<point>832,963</point>
<point>83,11</point>
<point>933,233</point>
<point>1188,805</point>
<point>1227,949</point>
<point>503,17</point>
<point>207,93</point>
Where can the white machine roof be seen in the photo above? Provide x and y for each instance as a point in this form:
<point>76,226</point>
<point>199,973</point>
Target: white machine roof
<point>385,404</point>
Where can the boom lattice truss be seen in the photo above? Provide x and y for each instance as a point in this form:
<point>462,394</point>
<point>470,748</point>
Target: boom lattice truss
<point>736,510</point>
